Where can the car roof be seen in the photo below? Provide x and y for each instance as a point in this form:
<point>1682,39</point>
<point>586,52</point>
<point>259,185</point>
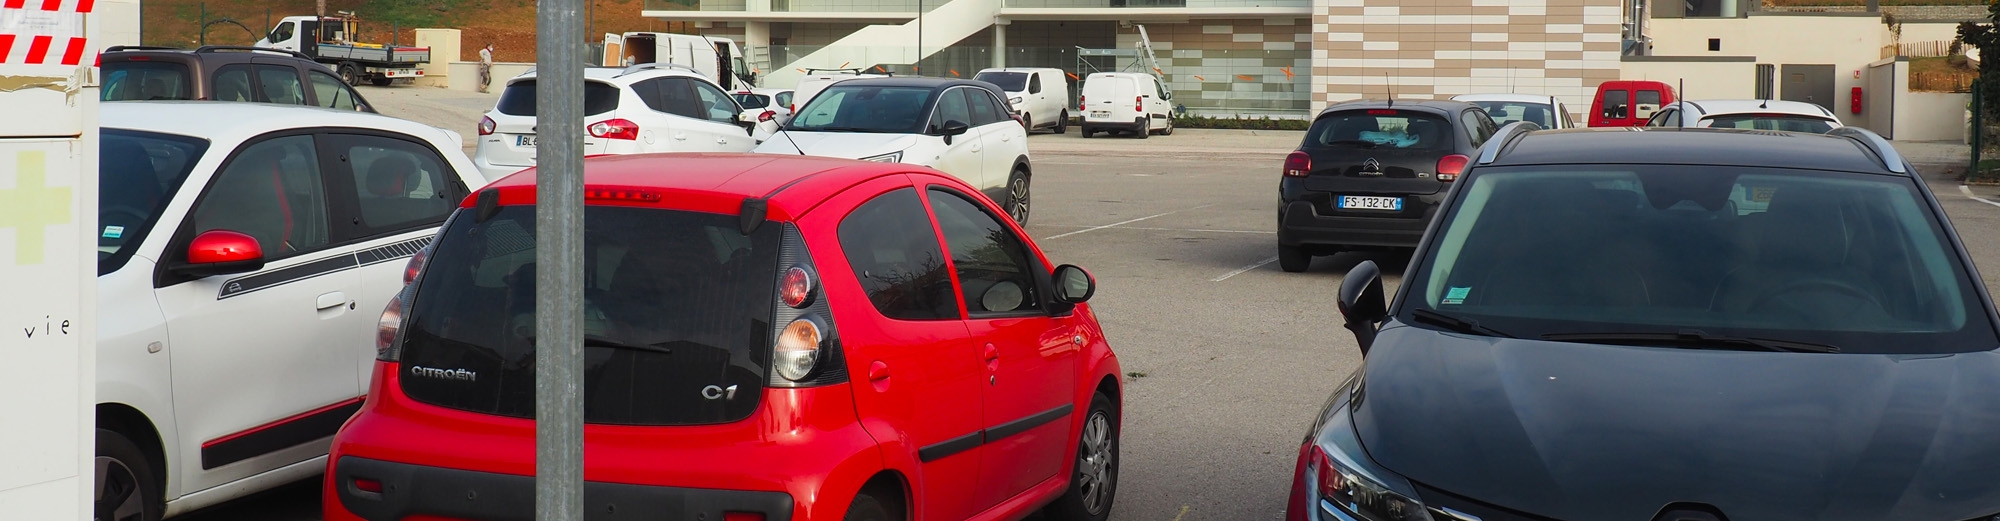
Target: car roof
<point>622,74</point>
<point>1714,107</point>
<point>914,81</point>
<point>762,90</point>
<point>1020,69</point>
<point>237,121</point>
<point>1514,98</point>
<point>715,181</point>
<point>214,53</point>
<point>1687,146</point>
<point>1437,105</point>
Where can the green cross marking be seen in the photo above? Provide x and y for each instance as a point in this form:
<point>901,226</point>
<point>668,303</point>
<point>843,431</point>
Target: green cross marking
<point>30,207</point>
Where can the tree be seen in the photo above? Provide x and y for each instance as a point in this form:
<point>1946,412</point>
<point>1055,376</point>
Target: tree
<point>1987,39</point>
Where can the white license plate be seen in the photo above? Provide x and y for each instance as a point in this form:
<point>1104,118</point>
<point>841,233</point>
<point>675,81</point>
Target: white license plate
<point>1355,202</point>
<point>524,141</point>
<point>1100,113</point>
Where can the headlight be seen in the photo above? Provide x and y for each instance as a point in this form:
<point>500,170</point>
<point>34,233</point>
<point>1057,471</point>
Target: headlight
<point>1014,100</point>
<point>1350,486</point>
<point>892,157</point>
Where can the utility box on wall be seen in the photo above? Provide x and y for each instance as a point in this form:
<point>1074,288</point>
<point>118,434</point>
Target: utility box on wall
<point>48,258</point>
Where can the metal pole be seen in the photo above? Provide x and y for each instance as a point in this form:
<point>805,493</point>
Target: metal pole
<point>559,263</point>
<point>203,39</point>
<point>919,66</point>
<point>1978,127</point>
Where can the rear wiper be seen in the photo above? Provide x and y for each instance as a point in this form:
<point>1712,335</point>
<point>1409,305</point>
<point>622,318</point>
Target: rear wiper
<point>1462,325</point>
<point>598,341</point>
<point>1694,339</point>
<point>1359,142</point>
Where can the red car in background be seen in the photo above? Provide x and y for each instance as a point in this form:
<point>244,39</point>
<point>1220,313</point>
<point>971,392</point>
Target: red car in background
<point>1629,103</point>
<point>766,338</point>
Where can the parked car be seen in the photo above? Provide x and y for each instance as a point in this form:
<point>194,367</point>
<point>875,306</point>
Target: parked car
<point>1104,108</point>
<point>239,244</point>
<point>1600,327</point>
<point>1793,116</point>
<point>223,73</point>
<point>764,104</point>
<point>961,127</point>
<point>1370,174</point>
<point>1544,111</point>
<point>1032,91</point>
<point>650,107</point>
<point>1628,103</point>
<point>767,338</point>
<point>817,80</point>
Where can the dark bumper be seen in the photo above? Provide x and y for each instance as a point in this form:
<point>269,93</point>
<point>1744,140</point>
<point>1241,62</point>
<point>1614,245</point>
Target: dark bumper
<point>1301,224</point>
<point>414,489</point>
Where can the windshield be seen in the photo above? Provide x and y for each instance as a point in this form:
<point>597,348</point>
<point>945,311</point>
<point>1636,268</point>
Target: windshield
<point>1380,128</point>
<point>673,302</point>
<point>145,81</point>
<point>519,98</point>
<point>1504,112</point>
<point>138,175</point>
<point>752,101</point>
<point>1008,81</point>
<point>866,108</point>
<point>1785,122</point>
<point>1855,261</point>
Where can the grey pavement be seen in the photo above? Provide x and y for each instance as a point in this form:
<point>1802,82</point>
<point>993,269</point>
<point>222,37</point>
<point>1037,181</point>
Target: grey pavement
<point>458,110</point>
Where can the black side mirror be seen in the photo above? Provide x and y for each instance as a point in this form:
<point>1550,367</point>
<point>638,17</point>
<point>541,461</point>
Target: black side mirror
<point>1073,285</point>
<point>1362,303</point>
<point>952,128</point>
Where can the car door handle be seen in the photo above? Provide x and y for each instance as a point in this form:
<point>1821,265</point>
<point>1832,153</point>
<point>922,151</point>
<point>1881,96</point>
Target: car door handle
<point>330,301</point>
<point>722,141</point>
<point>975,148</point>
<point>681,136</point>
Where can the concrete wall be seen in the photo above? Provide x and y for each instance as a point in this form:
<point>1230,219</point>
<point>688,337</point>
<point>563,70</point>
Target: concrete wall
<point>1847,42</point>
<point>444,44</point>
<point>1697,78</point>
<point>1233,66</point>
<point>465,75</point>
<point>1931,116</point>
<point>1563,48</point>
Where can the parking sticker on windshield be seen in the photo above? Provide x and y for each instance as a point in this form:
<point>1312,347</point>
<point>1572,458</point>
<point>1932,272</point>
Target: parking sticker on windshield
<point>1456,295</point>
<point>113,232</point>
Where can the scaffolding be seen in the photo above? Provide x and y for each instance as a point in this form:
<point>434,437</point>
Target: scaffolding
<point>1141,59</point>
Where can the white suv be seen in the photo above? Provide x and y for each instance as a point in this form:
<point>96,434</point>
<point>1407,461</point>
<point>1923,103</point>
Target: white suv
<point>245,251</point>
<point>961,127</point>
<point>1757,114</point>
<point>652,107</point>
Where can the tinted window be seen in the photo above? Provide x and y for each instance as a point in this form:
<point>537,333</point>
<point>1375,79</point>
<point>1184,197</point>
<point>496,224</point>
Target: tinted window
<point>401,185</point>
<point>1381,128</point>
<point>1008,81</point>
<point>715,105</point>
<point>785,99</point>
<point>272,191</point>
<point>1851,260</point>
<point>232,83</point>
<point>1034,84</point>
<point>1648,97</point>
<point>1614,104</point>
<point>985,110</point>
<point>1478,127</point>
<point>281,33</point>
<point>994,274</point>
<point>280,85</point>
<point>139,173</point>
<point>128,80</point>
<point>672,302</point>
<point>330,92</point>
<point>519,98</point>
<point>669,95</point>
<point>851,108</point>
<point>752,101</point>
<point>1771,122</point>
<point>952,107</point>
<point>1504,112</point>
<point>894,252</point>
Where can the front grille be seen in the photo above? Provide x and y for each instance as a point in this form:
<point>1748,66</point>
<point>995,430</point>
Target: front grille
<point>1437,500</point>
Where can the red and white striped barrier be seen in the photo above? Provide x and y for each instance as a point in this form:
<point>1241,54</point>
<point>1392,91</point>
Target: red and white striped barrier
<point>43,32</point>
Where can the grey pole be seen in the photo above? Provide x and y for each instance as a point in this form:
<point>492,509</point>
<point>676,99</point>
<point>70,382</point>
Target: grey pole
<point>559,262</point>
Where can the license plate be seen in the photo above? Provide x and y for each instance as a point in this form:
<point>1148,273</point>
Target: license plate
<point>1100,113</point>
<point>1355,202</point>
<point>524,141</point>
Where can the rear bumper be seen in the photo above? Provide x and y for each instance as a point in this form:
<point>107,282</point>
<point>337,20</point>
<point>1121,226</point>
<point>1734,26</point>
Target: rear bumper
<point>409,490</point>
<point>1300,224</point>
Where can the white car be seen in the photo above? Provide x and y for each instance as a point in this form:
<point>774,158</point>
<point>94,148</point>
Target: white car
<point>653,107</point>
<point>960,127</point>
<point>758,102</point>
<point>245,254</point>
<point>1545,111</point>
<point>1127,102</point>
<point>817,80</point>
<point>1783,115</point>
<point>1040,95</point>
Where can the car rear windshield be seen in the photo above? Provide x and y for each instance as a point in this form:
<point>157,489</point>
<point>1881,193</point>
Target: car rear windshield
<point>1855,261</point>
<point>1381,128</point>
<point>752,101</point>
<point>1786,122</point>
<point>866,108</point>
<point>519,98</point>
<point>145,81</point>
<point>1008,81</point>
<point>138,175</point>
<point>677,316</point>
<point>1504,112</point>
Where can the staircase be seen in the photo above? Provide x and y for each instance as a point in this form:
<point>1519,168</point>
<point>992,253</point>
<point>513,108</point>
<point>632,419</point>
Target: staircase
<point>943,26</point>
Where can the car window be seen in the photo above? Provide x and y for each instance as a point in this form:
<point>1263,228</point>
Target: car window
<point>1666,118</point>
<point>994,274</point>
<point>785,99</point>
<point>272,191</point>
<point>280,84</point>
<point>232,83</point>
<point>330,92</point>
<point>894,252</point>
<point>400,185</point>
<point>1160,89</point>
<point>716,105</point>
<point>1380,128</point>
<point>952,107</point>
<point>1034,84</point>
<point>984,109</point>
<point>1784,122</point>
<point>751,101</point>
<point>1614,104</point>
<point>1478,127</point>
<point>130,80</point>
<point>281,33</point>
<point>1504,112</point>
<point>669,95</point>
<point>1008,81</point>
<point>1568,122</point>
<point>865,108</point>
<point>139,172</point>
<point>519,98</point>
<point>1852,260</point>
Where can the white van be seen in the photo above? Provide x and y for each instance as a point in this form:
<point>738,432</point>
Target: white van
<point>1126,102</point>
<point>717,58</point>
<point>1040,95</point>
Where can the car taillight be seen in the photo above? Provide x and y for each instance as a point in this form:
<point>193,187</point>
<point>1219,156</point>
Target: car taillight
<point>767,115</point>
<point>1080,104</point>
<point>1298,164</point>
<point>368,485</point>
<point>796,288</point>
<point>805,350</point>
<point>386,329</point>
<point>1449,167</point>
<point>615,129</point>
<point>797,350</point>
<point>742,516</point>
<point>486,126</point>
<point>416,265</point>
<point>1139,103</point>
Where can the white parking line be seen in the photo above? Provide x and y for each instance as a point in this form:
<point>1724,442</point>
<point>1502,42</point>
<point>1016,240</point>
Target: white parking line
<point>1096,228</point>
<point>1968,193</point>
<point>1244,269</point>
<point>1190,230</point>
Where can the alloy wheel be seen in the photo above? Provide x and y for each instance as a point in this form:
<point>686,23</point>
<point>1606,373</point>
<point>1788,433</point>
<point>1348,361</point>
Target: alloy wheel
<point>117,496</point>
<point>1093,464</point>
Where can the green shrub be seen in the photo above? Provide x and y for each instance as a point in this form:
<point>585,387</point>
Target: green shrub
<point>1239,123</point>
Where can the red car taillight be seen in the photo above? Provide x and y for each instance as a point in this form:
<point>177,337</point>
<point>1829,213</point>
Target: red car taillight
<point>767,115</point>
<point>486,126</point>
<point>1298,164</point>
<point>1139,104</point>
<point>805,350</point>
<point>1080,104</point>
<point>615,129</point>
<point>416,264</point>
<point>1449,167</point>
<point>386,329</point>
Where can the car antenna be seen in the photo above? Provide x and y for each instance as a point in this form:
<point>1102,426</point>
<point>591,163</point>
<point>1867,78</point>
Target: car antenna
<point>1680,100</point>
<point>1389,86</point>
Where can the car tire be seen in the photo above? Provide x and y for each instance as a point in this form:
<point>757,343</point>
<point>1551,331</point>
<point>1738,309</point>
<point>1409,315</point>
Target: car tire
<point>381,82</point>
<point>866,508</point>
<point>1018,199</point>
<point>1170,128</point>
<point>350,74</point>
<point>1028,122</point>
<point>1142,128</point>
<point>1094,483</point>
<point>1294,259</point>
<point>1062,123</point>
<point>126,487</point>
<point>1087,132</point>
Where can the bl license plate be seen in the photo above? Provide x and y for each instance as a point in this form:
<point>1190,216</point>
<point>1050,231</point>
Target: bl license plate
<point>524,141</point>
<point>1100,113</point>
<point>1355,202</point>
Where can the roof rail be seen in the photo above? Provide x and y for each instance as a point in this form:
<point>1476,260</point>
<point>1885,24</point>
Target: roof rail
<point>1505,135</point>
<point>116,48</point>
<point>636,67</point>
<point>814,70</point>
<point>1890,159</point>
<point>214,48</point>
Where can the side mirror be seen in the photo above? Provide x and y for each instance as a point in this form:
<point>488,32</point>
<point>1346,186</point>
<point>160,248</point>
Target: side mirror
<point>1073,285</point>
<point>221,252</point>
<point>952,128</point>
<point>1362,302</point>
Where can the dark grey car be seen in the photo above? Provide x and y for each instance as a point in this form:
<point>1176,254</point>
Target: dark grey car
<point>223,73</point>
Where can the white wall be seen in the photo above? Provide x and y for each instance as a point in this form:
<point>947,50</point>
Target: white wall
<point>444,45</point>
<point>1849,43</point>
<point>1697,80</point>
<point>118,23</point>
<point>1931,32</point>
<point>465,75</point>
<point>1931,116</point>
